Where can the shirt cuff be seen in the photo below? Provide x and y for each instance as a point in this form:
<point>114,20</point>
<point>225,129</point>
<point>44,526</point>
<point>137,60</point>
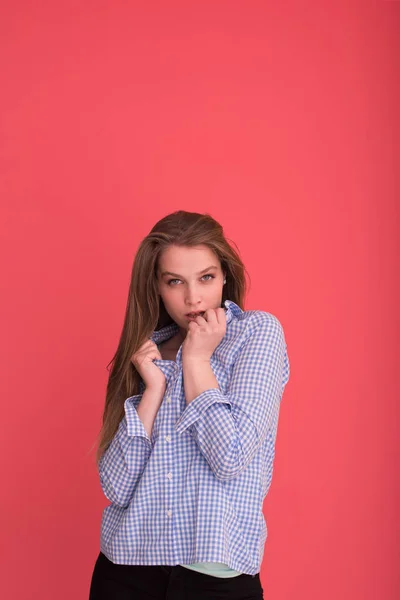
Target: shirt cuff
<point>134,425</point>
<point>197,407</point>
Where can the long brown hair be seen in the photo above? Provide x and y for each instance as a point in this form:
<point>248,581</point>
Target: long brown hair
<point>145,309</point>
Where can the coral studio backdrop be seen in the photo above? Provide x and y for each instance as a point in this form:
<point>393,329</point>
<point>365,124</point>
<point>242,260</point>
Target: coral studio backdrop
<point>280,119</point>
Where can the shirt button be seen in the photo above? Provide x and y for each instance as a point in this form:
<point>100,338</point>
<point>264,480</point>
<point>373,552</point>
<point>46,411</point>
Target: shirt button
<point>168,399</point>
<point>169,475</point>
<point>169,513</point>
<point>168,438</point>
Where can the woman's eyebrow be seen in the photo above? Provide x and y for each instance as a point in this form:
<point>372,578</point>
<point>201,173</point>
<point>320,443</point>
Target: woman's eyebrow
<point>180,276</point>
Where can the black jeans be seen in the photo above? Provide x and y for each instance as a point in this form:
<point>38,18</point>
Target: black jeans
<point>157,582</point>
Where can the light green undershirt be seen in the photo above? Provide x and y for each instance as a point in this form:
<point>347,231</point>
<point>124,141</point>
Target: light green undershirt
<point>216,569</point>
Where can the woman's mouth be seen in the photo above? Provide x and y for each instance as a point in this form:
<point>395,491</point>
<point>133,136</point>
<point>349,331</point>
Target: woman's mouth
<point>192,316</point>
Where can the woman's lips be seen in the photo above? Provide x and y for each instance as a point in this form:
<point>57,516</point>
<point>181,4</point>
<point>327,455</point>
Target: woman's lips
<point>194,315</point>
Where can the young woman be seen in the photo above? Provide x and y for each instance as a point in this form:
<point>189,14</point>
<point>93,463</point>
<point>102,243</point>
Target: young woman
<point>189,427</point>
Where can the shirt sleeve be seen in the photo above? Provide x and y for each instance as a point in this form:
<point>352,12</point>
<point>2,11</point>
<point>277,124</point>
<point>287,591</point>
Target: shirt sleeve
<point>229,428</point>
<point>123,463</point>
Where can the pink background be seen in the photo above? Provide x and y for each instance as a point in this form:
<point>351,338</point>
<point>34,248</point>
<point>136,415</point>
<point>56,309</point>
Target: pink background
<point>281,121</point>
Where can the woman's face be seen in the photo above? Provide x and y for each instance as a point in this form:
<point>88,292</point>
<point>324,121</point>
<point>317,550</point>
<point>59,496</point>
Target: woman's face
<point>190,279</point>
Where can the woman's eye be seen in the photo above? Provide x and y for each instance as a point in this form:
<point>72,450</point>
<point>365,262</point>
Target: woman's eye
<point>207,275</point>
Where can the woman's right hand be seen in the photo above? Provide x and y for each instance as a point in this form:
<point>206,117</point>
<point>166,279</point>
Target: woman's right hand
<point>142,360</point>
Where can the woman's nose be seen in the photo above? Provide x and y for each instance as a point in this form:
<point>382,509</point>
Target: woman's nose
<point>193,297</point>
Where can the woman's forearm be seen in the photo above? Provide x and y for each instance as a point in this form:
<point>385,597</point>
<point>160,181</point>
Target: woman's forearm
<point>198,377</point>
<point>148,407</point>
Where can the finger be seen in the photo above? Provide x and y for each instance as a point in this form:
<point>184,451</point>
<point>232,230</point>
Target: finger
<point>146,344</point>
<point>154,352</point>
<point>145,347</point>
<point>210,315</point>
<point>200,319</point>
<point>148,347</point>
<point>220,315</point>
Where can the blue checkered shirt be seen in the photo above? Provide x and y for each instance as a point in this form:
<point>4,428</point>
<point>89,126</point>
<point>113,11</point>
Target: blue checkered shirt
<point>194,490</point>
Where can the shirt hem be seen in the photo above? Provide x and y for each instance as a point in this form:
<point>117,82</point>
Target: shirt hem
<point>139,560</point>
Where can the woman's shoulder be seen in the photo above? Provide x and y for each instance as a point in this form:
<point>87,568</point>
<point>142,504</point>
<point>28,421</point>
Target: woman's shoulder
<point>253,319</point>
<point>248,319</point>
<point>253,331</point>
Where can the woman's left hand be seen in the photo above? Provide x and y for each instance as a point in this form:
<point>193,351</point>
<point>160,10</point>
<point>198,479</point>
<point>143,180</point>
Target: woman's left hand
<point>204,334</point>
